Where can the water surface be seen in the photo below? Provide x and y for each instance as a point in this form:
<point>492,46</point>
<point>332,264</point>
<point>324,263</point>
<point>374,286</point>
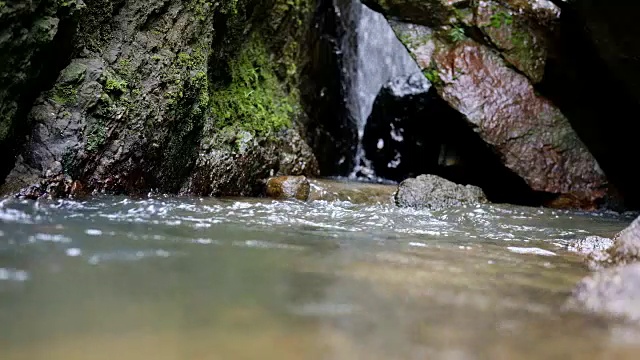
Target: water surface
<point>188,278</point>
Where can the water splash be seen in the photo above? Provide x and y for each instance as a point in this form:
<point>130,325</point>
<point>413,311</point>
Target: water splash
<point>373,58</point>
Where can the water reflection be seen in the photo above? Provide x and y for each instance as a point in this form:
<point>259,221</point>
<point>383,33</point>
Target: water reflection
<point>172,278</point>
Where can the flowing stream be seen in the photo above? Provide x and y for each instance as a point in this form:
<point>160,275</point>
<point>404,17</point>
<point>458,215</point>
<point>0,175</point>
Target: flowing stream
<point>189,278</point>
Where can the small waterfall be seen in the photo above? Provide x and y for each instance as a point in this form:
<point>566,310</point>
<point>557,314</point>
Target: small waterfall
<point>373,57</point>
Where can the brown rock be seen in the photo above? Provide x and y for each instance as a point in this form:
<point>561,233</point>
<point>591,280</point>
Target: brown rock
<point>288,187</point>
<point>519,29</point>
<point>532,136</point>
<point>521,43</point>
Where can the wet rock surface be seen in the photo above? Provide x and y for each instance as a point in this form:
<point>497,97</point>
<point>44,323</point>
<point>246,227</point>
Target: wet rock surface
<point>614,288</point>
<point>626,246</point>
<point>532,136</point>
<point>143,103</point>
<point>612,292</point>
<point>434,192</point>
<point>288,187</point>
<point>520,30</point>
<point>354,192</point>
<point>237,162</point>
<point>34,36</point>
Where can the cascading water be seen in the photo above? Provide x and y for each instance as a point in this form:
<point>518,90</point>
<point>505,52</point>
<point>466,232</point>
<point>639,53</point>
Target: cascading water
<point>373,57</point>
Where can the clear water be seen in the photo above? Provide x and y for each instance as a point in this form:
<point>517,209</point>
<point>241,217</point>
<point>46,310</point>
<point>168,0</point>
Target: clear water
<point>187,278</point>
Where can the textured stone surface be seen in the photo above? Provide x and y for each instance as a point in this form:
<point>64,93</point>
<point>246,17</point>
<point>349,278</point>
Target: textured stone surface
<point>29,52</point>
<point>611,292</point>
<point>533,138</point>
<point>288,187</point>
<point>519,29</point>
<point>433,192</point>
<point>134,109</point>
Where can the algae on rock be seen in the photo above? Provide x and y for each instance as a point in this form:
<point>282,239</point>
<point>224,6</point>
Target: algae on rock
<point>160,80</point>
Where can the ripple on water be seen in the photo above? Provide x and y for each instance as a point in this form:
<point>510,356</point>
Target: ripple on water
<point>451,283</point>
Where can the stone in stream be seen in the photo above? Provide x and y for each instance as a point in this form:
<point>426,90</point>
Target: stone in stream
<point>433,192</point>
<point>614,289</point>
<point>612,292</point>
<point>288,187</point>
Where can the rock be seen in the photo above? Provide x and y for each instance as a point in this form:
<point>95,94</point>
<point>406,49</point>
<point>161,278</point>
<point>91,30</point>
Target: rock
<point>288,187</point>
<point>433,192</point>
<point>594,249</point>
<point>403,113</point>
<point>519,29</point>
<point>295,155</point>
<point>354,192</point>
<point>30,52</point>
<point>614,289</point>
<point>611,292</point>
<point>626,246</point>
<point>236,163</point>
<point>155,97</point>
<point>531,135</point>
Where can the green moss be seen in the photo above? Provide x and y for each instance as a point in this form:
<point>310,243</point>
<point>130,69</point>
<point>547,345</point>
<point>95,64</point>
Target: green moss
<point>115,85</point>
<point>64,94</point>
<point>96,137</point>
<point>124,68</point>
<point>500,19</point>
<point>255,101</point>
<point>457,34</point>
<point>2,5</point>
<point>432,75</point>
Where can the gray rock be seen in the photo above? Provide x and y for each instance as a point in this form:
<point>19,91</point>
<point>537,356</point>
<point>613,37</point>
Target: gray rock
<point>434,192</point>
<point>612,292</point>
<point>142,105</point>
<point>594,248</point>
<point>626,247</point>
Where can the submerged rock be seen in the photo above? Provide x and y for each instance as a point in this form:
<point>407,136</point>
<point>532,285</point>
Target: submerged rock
<point>354,192</point>
<point>434,192</point>
<point>612,292</point>
<point>288,187</point>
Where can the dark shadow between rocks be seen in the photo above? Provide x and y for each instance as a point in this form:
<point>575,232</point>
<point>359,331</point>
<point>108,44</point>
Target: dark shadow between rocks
<point>599,106</point>
<point>421,134</point>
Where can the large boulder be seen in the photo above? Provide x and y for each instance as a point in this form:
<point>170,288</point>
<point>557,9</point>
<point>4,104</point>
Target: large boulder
<point>531,135</point>
<point>433,192</point>
<point>519,29</point>
<point>160,94</point>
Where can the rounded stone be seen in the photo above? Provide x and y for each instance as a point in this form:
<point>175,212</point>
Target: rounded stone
<point>288,187</point>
